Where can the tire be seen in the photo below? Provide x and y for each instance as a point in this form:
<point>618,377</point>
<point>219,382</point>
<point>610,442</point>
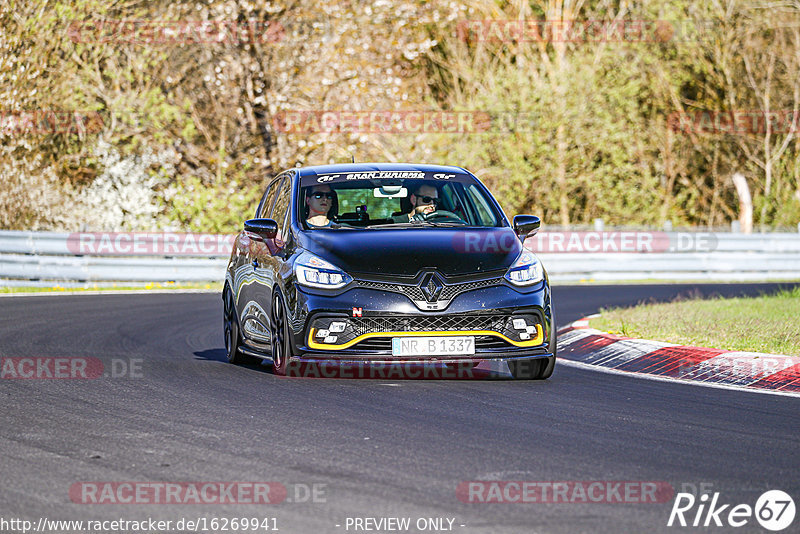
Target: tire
<point>230,328</point>
<point>540,368</point>
<point>548,369</point>
<point>281,346</point>
<point>528,369</point>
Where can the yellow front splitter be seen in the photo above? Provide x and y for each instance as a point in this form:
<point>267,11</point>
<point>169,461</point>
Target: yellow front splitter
<point>536,341</point>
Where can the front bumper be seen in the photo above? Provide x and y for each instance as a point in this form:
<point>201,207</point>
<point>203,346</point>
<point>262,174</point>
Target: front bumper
<point>505,323</point>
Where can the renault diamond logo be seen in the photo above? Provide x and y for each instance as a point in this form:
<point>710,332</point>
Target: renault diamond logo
<point>431,286</point>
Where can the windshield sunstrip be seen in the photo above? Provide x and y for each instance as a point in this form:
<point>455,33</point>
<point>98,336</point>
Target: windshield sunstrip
<point>344,177</point>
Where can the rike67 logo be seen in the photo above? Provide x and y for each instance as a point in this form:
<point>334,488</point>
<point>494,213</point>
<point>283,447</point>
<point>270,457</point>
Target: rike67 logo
<point>774,510</point>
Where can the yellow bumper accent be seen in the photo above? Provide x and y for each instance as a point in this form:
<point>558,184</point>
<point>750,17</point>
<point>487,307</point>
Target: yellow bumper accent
<point>530,343</point>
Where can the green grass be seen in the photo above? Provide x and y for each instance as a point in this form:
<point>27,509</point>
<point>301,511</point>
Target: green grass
<point>768,323</point>
<point>57,288</point>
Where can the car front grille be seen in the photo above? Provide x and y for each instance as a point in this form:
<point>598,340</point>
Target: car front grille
<point>417,323</point>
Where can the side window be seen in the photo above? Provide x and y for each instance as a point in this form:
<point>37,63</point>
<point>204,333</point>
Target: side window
<point>281,209</point>
<point>449,199</point>
<point>263,201</point>
<point>484,211</point>
<point>269,197</point>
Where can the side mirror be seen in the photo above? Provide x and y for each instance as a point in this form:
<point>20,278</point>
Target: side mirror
<point>525,225</point>
<point>264,228</point>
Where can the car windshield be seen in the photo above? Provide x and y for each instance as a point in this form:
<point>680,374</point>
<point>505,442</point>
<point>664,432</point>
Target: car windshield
<point>426,200</point>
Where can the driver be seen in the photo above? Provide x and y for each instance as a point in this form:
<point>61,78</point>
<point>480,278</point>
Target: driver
<point>320,207</point>
<point>424,200</point>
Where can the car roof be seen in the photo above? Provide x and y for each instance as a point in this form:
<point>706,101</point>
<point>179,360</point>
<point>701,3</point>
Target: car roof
<point>360,167</point>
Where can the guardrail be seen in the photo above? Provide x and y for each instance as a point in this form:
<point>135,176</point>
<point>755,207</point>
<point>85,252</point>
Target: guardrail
<point>140,257</point>
<point>714,266</point>
<point>107,257</point>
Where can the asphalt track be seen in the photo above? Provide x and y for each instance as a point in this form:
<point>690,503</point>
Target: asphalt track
<point>381,448</point>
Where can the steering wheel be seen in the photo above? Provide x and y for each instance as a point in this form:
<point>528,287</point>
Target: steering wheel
<point>441,213</point>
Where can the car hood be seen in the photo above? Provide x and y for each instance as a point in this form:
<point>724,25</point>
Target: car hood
<point>407,251</point>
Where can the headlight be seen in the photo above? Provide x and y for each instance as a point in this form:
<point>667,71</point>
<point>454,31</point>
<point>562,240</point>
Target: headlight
<point>526,270</point>
<point>315,272</point>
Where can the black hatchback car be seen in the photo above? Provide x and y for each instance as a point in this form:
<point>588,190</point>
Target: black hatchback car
<point>375,263</point>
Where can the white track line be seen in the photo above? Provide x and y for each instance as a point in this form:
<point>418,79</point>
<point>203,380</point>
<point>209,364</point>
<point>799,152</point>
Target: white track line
<point>581,365</point>
<point>110,292</point>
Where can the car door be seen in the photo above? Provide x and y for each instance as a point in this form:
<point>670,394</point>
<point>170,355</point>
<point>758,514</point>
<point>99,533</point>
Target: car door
<point>254,312</point>
<point>268,255</point>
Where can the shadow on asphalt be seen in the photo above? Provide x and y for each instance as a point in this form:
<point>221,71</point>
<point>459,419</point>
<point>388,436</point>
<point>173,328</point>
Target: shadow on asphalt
<point>218,355</point>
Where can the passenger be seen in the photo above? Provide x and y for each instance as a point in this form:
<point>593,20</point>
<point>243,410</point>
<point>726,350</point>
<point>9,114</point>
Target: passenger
<point>424,200</point>
<point>320,206</point>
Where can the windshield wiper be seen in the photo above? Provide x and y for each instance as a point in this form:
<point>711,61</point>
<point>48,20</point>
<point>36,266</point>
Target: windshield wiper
<point>443,224</point>
<point>417,224</point>
<point>392,225</point>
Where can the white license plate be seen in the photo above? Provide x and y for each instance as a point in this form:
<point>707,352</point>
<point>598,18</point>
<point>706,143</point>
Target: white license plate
<point>433,346</point>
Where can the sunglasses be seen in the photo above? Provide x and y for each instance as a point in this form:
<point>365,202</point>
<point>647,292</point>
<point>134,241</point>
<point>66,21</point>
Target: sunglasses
<point>428,200</point>
<point>329,196</point>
